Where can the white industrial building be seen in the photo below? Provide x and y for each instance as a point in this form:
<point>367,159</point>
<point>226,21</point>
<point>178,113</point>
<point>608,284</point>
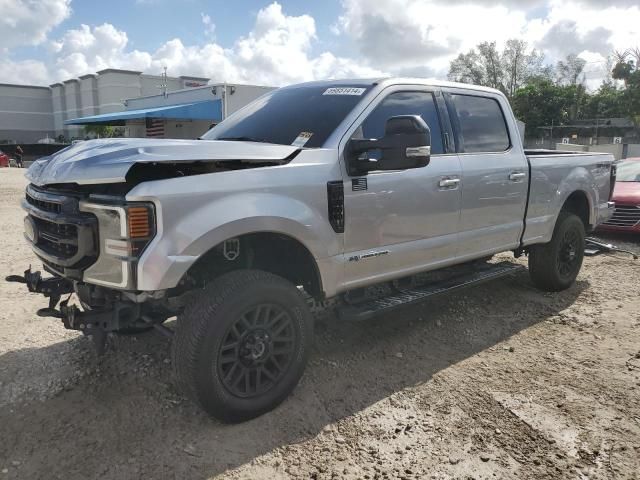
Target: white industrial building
<point>30,113</point>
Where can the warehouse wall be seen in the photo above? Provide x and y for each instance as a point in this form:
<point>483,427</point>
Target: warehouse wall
<point>26,113</point>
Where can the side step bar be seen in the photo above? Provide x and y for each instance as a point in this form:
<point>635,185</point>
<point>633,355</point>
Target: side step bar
<point>484,273</point>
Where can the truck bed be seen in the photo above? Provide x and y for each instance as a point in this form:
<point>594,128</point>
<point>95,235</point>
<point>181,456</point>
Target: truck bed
<point>553,175</point>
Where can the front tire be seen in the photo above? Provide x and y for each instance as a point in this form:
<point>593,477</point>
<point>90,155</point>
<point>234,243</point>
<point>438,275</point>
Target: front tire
<point>241,347</point>
<point>554,266</point>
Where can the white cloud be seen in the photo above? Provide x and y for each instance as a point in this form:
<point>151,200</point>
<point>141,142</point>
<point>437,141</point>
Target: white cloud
<point>422,36</point>
<point>24,22</point>
<point>209,26</point>
<point>87,49</point>
<point>30,72</point>
<point>403,37</point>
<point>276,51</point>
<point>415,34</point>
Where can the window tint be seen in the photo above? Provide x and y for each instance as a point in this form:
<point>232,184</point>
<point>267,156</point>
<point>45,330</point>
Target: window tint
<point>304,115</point>
<point>404,103</point>
<point>482,124</point>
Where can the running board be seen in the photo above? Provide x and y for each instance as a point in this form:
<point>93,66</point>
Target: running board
<point>484,273</point>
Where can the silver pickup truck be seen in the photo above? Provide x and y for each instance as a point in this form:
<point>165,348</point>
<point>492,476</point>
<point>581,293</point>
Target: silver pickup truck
<point>365,195</point>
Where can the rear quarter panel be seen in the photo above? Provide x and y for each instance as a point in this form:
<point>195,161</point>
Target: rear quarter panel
<point>553,179</point>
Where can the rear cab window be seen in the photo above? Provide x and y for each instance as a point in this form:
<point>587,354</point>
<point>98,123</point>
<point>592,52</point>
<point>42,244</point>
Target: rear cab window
<point>481,124</point>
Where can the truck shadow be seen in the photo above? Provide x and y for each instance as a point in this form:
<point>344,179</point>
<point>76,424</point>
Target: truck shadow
<point>123,418</point>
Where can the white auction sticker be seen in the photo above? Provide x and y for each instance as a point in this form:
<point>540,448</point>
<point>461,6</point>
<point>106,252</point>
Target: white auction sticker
<point>301,139</point>
<point>344,91</point>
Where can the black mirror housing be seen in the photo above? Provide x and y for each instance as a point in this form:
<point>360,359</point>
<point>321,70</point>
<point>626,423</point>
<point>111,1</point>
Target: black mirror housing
<point>406,144</point>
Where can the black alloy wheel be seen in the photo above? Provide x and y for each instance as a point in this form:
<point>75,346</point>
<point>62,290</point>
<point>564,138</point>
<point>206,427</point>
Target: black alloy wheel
<point>568,260</point>
<point>257,350</point>
<point>242,344</point>
<point>554,266</point>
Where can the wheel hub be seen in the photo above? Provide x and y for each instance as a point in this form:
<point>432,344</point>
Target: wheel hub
<point>256,346</point>
<point>568,254</point>
<point>257,350</point>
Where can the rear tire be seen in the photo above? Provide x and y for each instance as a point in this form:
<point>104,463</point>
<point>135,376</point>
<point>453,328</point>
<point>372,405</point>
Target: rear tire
<point>554,266</point>
<point>242,345</point>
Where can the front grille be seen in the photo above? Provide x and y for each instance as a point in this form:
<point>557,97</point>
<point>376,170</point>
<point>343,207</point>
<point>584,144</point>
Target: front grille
<point>625,216</point>
<point>47,206</point>
<point>58,239</point>
<point>63,236</point>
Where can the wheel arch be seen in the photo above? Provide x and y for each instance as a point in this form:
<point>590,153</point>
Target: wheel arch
<point>579,203</point>
<point>270,251</point>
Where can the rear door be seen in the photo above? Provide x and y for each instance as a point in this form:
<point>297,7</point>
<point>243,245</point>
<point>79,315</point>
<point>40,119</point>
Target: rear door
<point>494,174</point>
<point>399,222</point>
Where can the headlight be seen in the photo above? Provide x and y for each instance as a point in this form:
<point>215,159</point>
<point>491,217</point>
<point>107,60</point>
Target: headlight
<point>124,231</point>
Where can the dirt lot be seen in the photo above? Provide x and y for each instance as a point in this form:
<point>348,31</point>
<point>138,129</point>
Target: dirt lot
<point>502,381</point>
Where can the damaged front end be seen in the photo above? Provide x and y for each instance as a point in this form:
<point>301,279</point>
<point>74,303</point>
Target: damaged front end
<point>107,312</point>
<point>91,244</point>
<point>90,238</point>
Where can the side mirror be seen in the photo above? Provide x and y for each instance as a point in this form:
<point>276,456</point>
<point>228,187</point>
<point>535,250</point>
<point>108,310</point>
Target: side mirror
<point>406,144</point>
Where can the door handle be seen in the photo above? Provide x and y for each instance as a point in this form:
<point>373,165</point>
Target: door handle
<point>449,182</point>
<point>515,176</point>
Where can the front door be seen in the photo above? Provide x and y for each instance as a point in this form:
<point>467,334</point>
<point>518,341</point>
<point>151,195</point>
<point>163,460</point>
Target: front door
<point>401,222</point>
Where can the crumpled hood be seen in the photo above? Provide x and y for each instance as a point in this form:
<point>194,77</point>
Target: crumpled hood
<point>109,160</point>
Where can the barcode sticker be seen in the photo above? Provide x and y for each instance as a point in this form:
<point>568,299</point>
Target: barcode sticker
<point>344,91</point>
<point>302,139</point>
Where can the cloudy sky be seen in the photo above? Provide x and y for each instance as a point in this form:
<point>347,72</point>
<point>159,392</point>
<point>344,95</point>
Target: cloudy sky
<point>43,41</point>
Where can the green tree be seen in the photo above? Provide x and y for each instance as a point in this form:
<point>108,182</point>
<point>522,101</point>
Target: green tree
<point>541,103</point>
<point>607,101</point>
<point>626,69</point>
<point>505,70</point>
<point>570,71</point>
<point>100,131</point>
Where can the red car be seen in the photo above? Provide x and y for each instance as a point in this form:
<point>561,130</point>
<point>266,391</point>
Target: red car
<point>4,159</point>
<point>626,195</point>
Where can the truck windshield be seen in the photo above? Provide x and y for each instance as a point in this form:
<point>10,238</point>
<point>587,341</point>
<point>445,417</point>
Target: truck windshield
<point>628,171</point>
<point>303,116</point>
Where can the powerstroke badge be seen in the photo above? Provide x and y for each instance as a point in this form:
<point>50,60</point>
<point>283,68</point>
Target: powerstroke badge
<point>357,258</point>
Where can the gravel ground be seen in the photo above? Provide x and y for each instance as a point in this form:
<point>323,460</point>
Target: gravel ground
<point>501,381</point>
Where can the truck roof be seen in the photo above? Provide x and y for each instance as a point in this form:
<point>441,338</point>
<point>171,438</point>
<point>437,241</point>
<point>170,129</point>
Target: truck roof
<point>387,81</point>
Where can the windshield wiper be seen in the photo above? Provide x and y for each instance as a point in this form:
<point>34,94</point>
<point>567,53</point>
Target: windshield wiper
<point>243,139</point>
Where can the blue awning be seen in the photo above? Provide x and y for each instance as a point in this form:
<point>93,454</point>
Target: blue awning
<point>206,110</point>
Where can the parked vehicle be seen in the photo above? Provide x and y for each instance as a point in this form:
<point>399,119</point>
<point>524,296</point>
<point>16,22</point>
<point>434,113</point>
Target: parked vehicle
<point>626,196</point>
<point>4,159</point>
<point>344,192</point>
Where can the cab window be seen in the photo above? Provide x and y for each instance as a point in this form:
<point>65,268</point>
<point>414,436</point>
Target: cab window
<point>482,124</point>
<point>404,103</point>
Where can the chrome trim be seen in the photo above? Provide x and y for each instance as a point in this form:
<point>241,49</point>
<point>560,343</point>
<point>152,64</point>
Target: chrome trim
<point>423,151</point>
<point>449,182</point>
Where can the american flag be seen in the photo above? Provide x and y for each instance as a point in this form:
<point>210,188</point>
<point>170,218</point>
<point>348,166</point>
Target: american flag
<point>155,127</point>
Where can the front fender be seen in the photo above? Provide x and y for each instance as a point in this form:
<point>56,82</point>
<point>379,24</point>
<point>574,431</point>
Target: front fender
<point>190,225</point>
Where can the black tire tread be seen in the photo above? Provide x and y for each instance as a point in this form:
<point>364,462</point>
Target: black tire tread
<point>542,265</point>
<point>193,322</point>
